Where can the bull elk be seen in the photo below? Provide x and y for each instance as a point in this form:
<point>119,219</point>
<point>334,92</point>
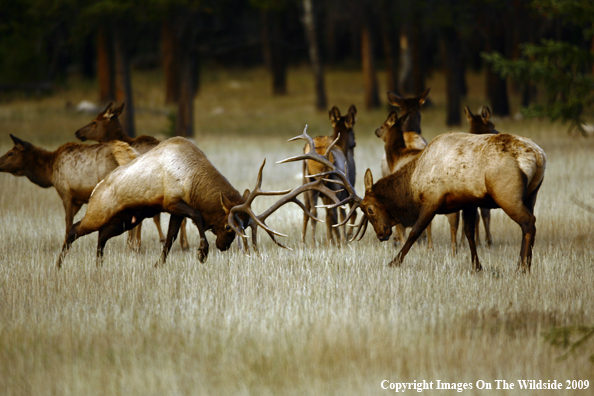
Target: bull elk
<point>342,156</point>
<point>106,127</point>
<point>456,171</point>
<point>176,177</point>
<point>73,169</point>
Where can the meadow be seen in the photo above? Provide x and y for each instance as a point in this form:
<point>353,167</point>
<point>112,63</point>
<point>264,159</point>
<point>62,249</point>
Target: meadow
<point>313,320</point>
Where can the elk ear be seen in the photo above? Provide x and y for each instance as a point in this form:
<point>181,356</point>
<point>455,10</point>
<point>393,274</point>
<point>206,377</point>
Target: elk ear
<point>468,113</point>
<point>353,110</point>
<point>395,100</point>
<point>350,120</point>
<point>225,203</point>
<point>334,115</point>
<point>246,194</point>
<point>20,144</point>
<point>368,180</point>
<point>486,114</point>
<point>392,119</point>
<point>423,96</point>
<point>118,110</point>
<point>105,113</point>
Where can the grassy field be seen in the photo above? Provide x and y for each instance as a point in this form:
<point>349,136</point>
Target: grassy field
<point>309,321</point>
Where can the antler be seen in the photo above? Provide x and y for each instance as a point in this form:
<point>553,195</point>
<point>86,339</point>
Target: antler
<point>333,171</point>
<point>260,220</point>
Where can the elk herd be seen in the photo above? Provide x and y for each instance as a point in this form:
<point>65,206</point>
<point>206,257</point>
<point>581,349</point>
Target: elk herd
<point>125,181</point>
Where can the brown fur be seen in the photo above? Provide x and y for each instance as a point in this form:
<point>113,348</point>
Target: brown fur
<point>460,171</point>
<point>106,127</point>
<point>342,155</point>
<point>175,177</point>
<point>73,169</point>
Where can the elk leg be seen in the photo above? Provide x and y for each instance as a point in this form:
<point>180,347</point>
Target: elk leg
<point>175,223</point>
<point>469,216</point>
<point>399,234</point>
<point>71,208</point>
<point>183,236</point>
<point>106,233</point>
<point>477,238</point>
<point>454,220</point>
<point>429,239</point>
<point>180,208</point>
<point>157,220</point>
<point>422,222</point>
<point>486,215</point>
<point>73,235</point>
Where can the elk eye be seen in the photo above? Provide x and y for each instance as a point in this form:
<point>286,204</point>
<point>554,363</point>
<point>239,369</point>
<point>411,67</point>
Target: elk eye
<point>370,211</point>
<point>228,228</point>
<point>10,154</point>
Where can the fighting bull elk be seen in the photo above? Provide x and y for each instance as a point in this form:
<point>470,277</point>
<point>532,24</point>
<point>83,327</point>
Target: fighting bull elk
<point>177,177</point>
<point>342,156</point>
<point>106,127</point>
<point>73,169</point>
<point>456,171</point>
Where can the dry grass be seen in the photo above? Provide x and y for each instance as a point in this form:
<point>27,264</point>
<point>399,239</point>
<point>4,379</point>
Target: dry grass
<point>323,321</point>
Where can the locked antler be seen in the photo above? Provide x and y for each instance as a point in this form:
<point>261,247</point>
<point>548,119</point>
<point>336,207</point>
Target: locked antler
<point>352,198</point>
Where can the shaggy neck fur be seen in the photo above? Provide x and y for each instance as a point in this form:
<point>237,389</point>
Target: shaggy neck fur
<point>39,166</point>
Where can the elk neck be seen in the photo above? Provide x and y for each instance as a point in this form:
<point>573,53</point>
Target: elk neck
<point>39,166</point>
<point>395,192</point>
<point>115,131</point>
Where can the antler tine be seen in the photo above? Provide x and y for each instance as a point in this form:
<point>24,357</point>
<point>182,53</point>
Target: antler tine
<point>361,226</point>
<point>311,154</point>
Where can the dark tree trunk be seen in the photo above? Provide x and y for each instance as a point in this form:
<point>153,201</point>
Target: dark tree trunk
<point>371,99</point>
<point>170,59</point>
<point>123,82</point>
<point>391,45</point>
<point>273,50</point>
<point>105,76</point>
<point>415,41</point>
<point>496,86</point>
<point>265,34</point>
<point>453,62</point>
<point>314,55</point>
<point>188,77</point>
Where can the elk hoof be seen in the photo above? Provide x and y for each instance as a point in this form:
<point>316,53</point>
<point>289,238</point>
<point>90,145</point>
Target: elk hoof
<point>395,263</point>
<point>185,246</point>
<point>202,255</point>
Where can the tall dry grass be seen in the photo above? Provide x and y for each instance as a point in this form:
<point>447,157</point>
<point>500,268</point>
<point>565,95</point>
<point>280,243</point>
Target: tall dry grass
<point>308,321</point>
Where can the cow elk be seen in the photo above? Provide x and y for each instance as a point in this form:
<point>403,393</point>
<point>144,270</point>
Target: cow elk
<point>73,169</point>
<point>342,156</point>
<point>106,127</point>
<point>175,177</point>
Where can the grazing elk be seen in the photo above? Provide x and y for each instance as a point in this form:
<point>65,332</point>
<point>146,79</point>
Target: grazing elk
<point>342,156</point>
<point>456,171</point>
<point>73,169</point>
<point>175,177</point>
<point>106,127</point>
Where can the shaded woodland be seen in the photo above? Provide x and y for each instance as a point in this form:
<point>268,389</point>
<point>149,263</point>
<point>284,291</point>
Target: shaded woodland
<point>43,42</point>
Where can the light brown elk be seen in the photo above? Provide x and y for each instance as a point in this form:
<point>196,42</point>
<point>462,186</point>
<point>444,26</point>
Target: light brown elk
<point>175,177</point>
<point>342,156</point>
<point>106,127</point>
<point>456,171</point>
<point>73,169</point>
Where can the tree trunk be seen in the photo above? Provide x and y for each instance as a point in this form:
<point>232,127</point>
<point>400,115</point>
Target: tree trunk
<point>123,82</point>
<point>496,86</point>
<point>391,45</point>
<point>279,60</point>
<point>104,68</point>
<point>453,60</point>
<point>416,51</point>
<point>170,59</point>
<point>188,79</point>
<point>314,55</point>
<point>371,98</point>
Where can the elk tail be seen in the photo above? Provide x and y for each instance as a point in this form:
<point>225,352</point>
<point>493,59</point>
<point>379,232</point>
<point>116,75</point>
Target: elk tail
<point>123,152</point>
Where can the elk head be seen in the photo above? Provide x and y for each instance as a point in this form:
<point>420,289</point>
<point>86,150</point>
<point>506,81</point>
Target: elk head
<point>343,126</point>
<point>382,131</point>
<point>102,126</point>
<point>411,107</point>
<point>480,124</point>
<point>375,211</point>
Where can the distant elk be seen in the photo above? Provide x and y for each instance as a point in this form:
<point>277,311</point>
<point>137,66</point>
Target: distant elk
<point>73,169</point>
<point>343,157</point>
<point>106,127</point>
<point>403,142</point>
<point>176,177</point>
<point>456,171</point>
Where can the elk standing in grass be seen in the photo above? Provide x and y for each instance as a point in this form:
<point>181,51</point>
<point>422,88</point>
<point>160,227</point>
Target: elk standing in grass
<point>73,169</point>
<point>106,127</point>
<point>456,171</point>
<point>174,177</point>
<point>342,156</point>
